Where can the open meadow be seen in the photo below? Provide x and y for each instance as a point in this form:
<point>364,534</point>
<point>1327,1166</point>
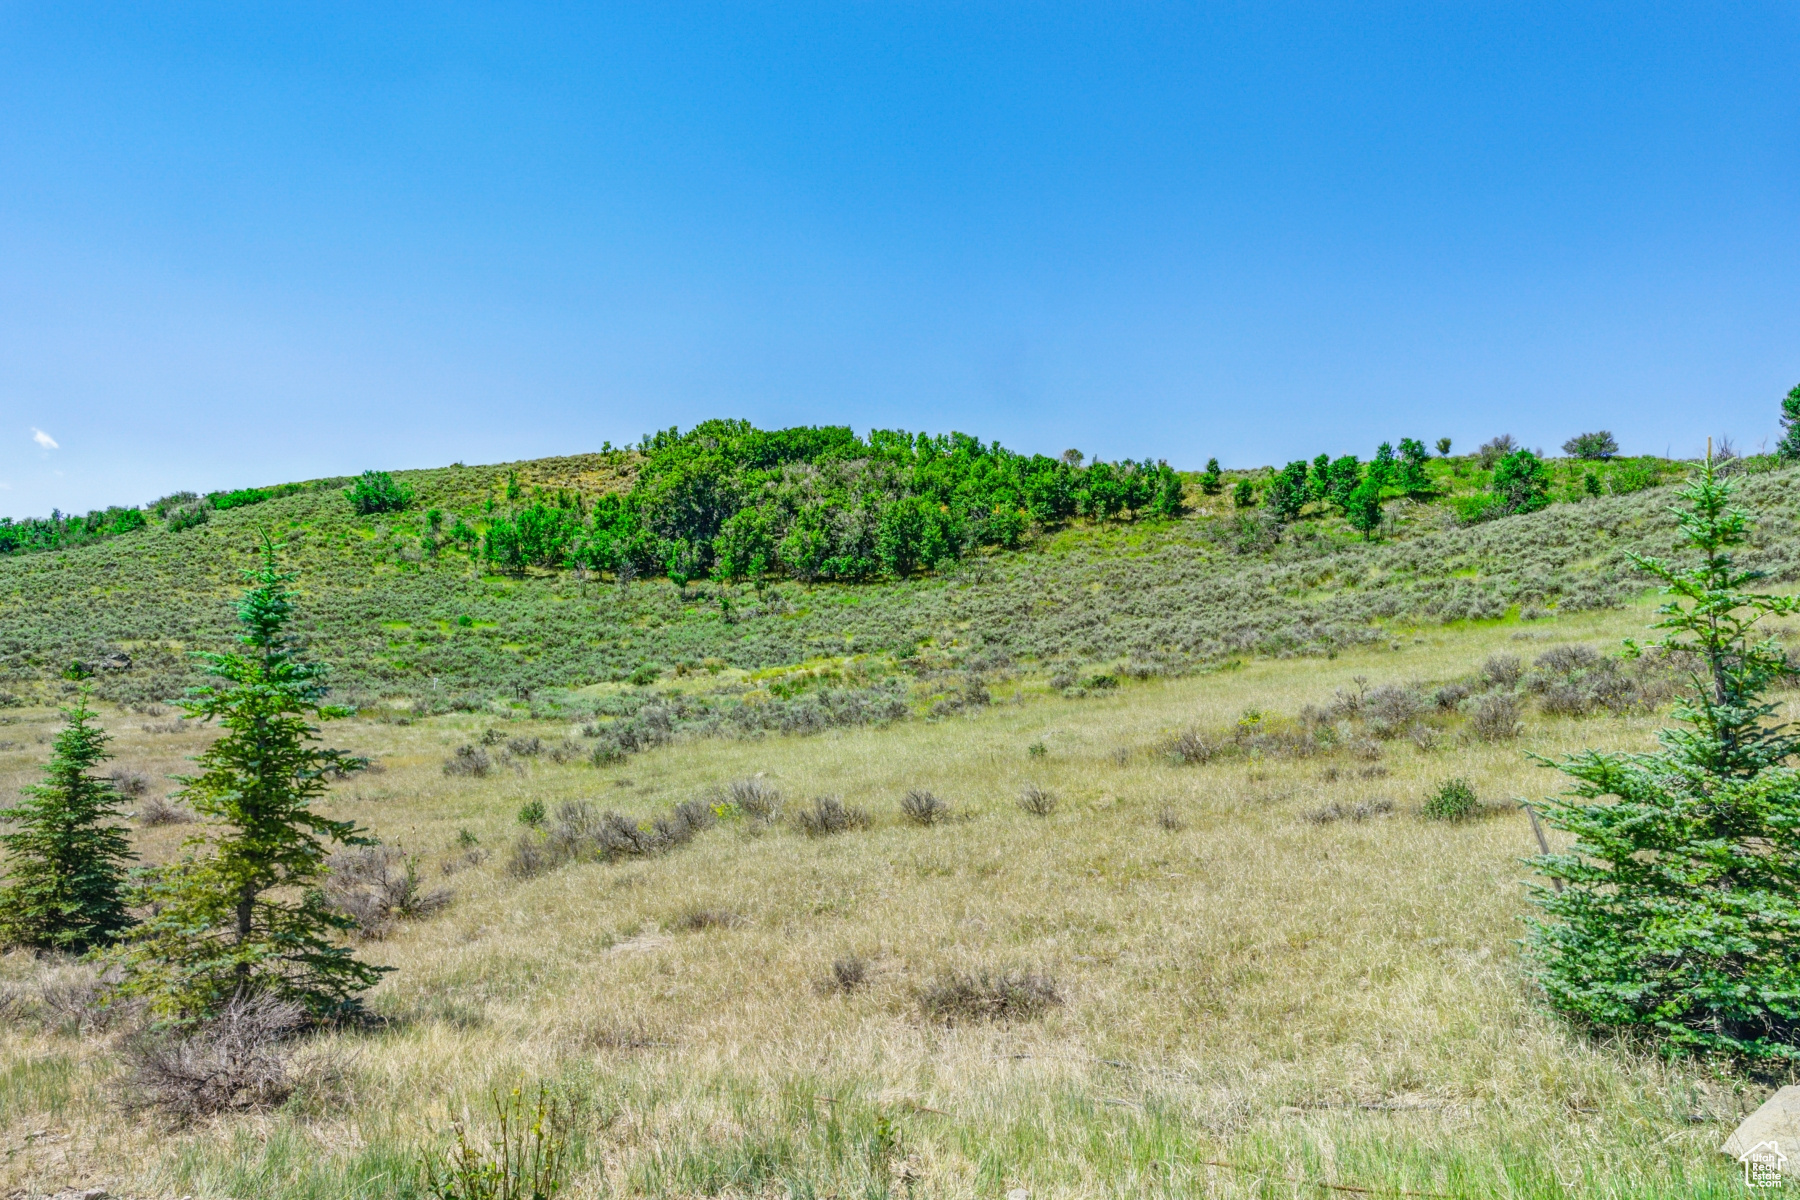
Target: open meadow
<point>1243,963</point>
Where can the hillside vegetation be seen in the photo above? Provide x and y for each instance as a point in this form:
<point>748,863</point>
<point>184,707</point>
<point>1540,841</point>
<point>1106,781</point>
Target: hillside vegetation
<point>1181,937</point>
<point>440,603</point>
<point>1167,853</point>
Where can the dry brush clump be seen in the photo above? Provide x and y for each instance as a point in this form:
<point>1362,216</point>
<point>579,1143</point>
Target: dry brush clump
<point>1039,802</point>
<point>129,782</point>
<point>754,798</point>
<point>1355,813</point>
<point>828,815</point>
<point>848,974</point>
<point>1496,718</point>
<point>697,920</point>
<point>156,811</point>
<point>469,761</point>
<point>988,995</point>
<point>67,995</point>
<point>378,887</point>
<point>922,807</point>
<point>580,832</point>
<point>238,1059</point>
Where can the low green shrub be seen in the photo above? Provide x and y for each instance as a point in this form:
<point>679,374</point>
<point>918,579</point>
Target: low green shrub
<point>238,499</point>
<point>1454,800</point>
<point>527,1158</point>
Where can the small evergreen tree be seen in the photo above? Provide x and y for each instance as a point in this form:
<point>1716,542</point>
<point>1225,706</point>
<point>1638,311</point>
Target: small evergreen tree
<point>245,914</point>
<point>1212,481</point>
<point>1443,447</point>
<point>1788,449</point>
<point>1244,494</point>
<point>1680,906</point>
<point>1521,482</point>
<point>65,858</point>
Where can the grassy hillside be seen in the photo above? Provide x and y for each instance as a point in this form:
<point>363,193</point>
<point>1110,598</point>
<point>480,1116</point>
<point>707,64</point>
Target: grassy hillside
<point>405,614</point>
<point>1258,970</point>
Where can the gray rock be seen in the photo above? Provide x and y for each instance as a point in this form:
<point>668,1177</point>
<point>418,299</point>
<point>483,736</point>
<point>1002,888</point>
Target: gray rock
<point>1778,1121</point>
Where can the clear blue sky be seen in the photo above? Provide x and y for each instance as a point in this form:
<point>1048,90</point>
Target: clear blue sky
<point>242,244</point>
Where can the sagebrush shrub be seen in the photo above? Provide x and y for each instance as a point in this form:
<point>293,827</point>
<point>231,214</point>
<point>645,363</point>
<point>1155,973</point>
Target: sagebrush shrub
<point>697,920</point>
<point>129,783</point>
<point>1503,670</point>
<point>989,996</point>
<point>828,815</point>
<point>848,975</point>
<point>755,798</point>
<point>580,832</point>
<point>156,811</point>
<point>468,760</point>
<point>1036,800</point>
<point>1356,813</point>
<point>1496,718</point>
<point>1192,748</point>
<point>922,807</point>
<point>379,886</point>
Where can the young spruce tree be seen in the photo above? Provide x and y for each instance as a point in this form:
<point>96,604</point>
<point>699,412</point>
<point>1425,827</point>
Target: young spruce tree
<point>1679,910</point>
<point>65,857</point>
<point>242,913</point>
<point>1788,449</point>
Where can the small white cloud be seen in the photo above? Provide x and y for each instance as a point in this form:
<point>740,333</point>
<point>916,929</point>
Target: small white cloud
<point>43,439</point>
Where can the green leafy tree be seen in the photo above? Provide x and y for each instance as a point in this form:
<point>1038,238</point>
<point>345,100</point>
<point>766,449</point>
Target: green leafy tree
<point>1212,481</point>
<point>1168,500</point>
<point>1346,476</point>
<point>1443,447</point>
<point>901,535</point>
<point>1384,469</point>
<point>65,855</point>
<point>1363,507</point>
<point>1414,479</point>
<point>1597,445</point>
<point>1521,482</point>
<point>376,492</point>
<point>1788,449</point>
<point>1287,491</point>
<point>1244,494</point>
<point>241,912</point>
<point>1678,910</point>
<point>1319,480</point>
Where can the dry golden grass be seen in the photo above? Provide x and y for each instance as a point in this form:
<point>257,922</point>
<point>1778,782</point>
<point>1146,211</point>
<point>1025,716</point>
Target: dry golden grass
<point>1339,1002</point>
